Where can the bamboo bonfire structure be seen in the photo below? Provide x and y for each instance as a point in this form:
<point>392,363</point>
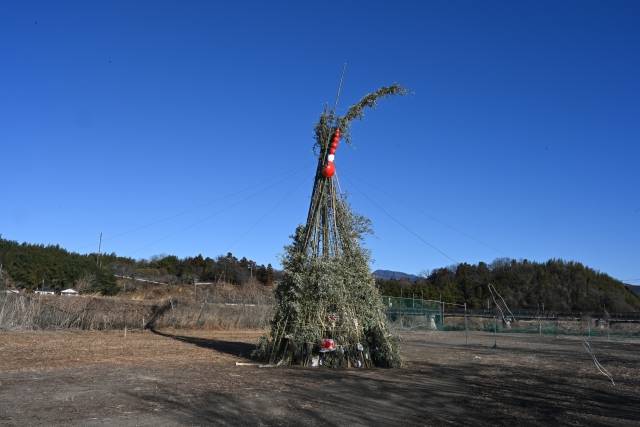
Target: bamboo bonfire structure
<point>328,309</point>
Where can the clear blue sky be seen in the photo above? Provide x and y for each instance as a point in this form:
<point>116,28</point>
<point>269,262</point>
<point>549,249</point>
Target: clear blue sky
<point>186,127</point>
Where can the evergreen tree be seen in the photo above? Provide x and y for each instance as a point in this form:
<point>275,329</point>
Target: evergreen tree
<point>269,275</point>
<point>561,286</point>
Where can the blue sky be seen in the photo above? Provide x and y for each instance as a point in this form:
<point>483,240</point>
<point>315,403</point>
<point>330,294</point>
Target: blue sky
<point>186,127</point>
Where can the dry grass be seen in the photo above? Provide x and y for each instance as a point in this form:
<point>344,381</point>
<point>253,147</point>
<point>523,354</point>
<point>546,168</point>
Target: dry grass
<point>27,311</point>
<point>220,292</point>
<point>19,312</point>
<point>49,350</point>
<point>215,316</point>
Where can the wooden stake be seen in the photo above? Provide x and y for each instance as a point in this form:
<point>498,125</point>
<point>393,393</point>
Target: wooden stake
<point>466,330</point>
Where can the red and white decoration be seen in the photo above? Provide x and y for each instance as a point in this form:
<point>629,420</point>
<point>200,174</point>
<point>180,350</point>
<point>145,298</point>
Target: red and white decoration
<point>327,344</point>
<point>329,168</point>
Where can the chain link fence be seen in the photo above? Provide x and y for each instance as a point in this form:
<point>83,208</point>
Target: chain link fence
<point>419,314</point>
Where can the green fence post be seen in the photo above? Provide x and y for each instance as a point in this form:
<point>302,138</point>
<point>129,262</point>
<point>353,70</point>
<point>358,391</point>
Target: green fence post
<point>540,326</point>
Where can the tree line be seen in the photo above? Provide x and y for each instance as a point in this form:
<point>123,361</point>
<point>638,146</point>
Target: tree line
<point>555,285</point>
<point>33,266</point>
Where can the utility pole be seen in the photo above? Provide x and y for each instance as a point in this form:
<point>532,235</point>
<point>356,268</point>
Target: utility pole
<point>99,250</point>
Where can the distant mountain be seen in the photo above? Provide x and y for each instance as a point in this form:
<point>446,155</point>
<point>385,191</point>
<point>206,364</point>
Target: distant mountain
<point>394,275</point>
<point>633,288</point>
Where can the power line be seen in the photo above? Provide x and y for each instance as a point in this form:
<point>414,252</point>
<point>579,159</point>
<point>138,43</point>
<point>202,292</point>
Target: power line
<point>231,195</point>
<point>409,230</point>
<point>202,205</point>
<point>431,217</point>
<point>214,214</point>
<point>266,214</point>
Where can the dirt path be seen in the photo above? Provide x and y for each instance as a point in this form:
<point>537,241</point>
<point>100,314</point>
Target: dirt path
<point>190,378</point>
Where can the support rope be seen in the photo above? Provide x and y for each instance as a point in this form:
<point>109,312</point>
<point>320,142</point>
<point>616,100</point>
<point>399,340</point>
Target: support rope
<point>601,368</point>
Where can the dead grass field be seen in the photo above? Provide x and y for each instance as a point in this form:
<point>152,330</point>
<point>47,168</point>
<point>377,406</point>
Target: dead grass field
<point>188,377</point>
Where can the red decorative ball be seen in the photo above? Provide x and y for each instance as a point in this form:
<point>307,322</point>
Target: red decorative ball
<point>328,170</point>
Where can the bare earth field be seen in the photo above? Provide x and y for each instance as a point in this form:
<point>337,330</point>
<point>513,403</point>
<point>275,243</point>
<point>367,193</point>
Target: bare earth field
<point>190,378</point>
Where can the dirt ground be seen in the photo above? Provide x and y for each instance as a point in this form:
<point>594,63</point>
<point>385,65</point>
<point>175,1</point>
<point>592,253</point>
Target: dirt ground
<point>190,378</point>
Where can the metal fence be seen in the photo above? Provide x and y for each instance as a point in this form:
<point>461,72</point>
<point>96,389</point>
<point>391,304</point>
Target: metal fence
<point>420,314</point>
<point>414,313</point>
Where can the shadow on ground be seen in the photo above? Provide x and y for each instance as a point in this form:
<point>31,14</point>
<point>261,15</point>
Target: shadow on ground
<point>233,348</point>
<point>423,394</point>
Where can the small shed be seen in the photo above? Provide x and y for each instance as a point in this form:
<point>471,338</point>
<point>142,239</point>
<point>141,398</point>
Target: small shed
<point>45,291</point>
<point>69,293</point>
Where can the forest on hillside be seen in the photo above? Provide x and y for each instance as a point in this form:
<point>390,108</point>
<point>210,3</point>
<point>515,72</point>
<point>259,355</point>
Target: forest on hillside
<point>32,266</point>
<point>555,285</point>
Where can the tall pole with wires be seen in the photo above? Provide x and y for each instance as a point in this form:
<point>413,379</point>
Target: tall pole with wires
<point>98,260</point>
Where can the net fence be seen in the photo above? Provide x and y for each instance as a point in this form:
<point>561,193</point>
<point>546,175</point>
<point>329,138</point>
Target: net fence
<point>419,314</point>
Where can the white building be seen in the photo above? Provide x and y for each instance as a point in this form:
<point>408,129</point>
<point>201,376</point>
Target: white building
<point>45,292</point>
<point>69,293</point>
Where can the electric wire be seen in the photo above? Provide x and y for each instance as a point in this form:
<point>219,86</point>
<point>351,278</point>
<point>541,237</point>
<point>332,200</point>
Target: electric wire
<point>197,207</point>
<point>430,216</point>
<point>214,214</point>
<point>273,209</point>
<point>278,178</point>
<point>405,227</point>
